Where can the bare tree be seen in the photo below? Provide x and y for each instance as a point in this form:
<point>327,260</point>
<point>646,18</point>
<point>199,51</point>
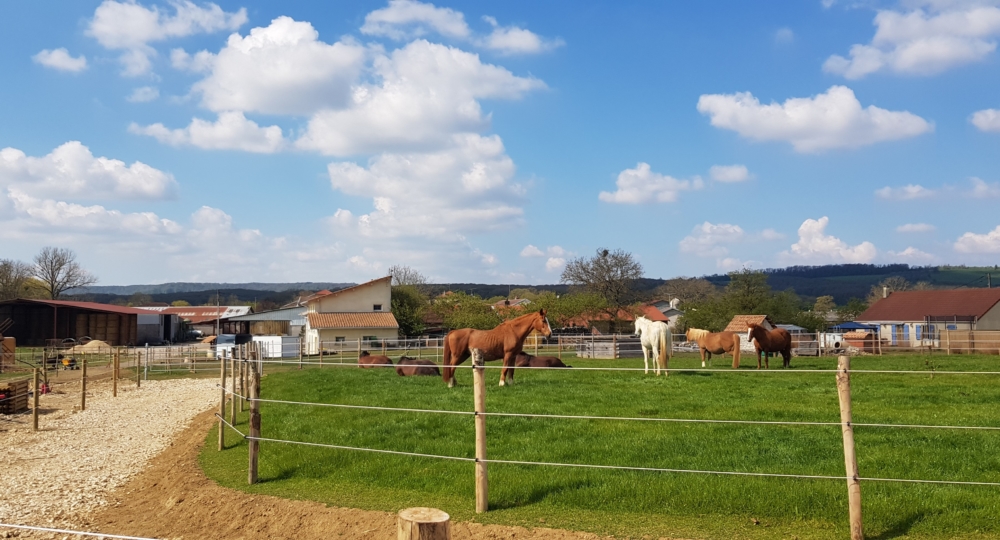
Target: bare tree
<point>687,290</point>
<point>888,285</point>
<point>610,274</point>
<point>58,271</point>
<point>13,277</point>
<point>404,275</point>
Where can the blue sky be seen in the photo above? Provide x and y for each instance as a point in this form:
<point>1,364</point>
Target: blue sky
<point>491,142</point>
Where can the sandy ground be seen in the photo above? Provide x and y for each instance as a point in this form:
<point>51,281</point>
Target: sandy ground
<point>129,466</point>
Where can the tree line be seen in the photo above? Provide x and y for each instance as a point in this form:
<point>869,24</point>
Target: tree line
<point>52,272</point>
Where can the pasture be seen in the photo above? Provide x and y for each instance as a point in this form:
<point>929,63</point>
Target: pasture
<point>633,503</point>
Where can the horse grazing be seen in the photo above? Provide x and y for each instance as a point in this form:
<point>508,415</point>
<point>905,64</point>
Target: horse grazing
<point>524,359</point>
<point>408,367</point>
<point>366,360</point>
<point>710,343</point>
<point>503,342</point>
<point>774,341</point>
<point>655,338</point>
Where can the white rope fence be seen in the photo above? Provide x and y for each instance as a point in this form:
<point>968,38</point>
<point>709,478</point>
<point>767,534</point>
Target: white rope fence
<point>69,531</point>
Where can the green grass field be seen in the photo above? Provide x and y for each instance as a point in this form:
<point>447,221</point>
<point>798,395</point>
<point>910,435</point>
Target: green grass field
<point>633,504</point>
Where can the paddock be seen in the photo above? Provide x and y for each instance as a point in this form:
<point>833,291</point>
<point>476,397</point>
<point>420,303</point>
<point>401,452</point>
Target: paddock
<point>606,449</point>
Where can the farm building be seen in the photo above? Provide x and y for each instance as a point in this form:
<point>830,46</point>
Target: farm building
<point>671,310</point>
<point>359,312</point>
<point>600,323</point>
<point>739,325</point>
<point>203,318</point>
<point>38,321</point>
<point>277,322</point>
<point>915,318</point>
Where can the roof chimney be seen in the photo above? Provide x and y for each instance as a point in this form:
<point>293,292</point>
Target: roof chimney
<point>885,292</point>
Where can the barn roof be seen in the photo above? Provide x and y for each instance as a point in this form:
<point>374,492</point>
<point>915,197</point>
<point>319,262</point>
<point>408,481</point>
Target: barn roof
<point>91,306</point>
<point>740,322</point>
<point>368,319</point>
<point>199,314</point>
<point>919,305</point>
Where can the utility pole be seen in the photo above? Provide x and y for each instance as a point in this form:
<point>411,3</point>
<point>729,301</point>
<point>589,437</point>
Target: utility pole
<point>989,281</point>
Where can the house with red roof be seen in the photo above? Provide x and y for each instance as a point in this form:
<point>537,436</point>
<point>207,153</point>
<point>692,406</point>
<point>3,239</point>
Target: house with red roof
<point>347,315</point>
<point>913,318</point>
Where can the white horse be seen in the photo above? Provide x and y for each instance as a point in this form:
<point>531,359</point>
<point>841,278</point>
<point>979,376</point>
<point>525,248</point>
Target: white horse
<point>656,341</point>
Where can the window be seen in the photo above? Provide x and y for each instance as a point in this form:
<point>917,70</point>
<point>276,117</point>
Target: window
<point>377,307</point>
<point>339,339</point>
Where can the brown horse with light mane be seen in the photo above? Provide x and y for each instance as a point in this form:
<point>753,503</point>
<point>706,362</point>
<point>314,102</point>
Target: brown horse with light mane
<point>773,341</point>
<point>716,343</point>
<point>503,342</point>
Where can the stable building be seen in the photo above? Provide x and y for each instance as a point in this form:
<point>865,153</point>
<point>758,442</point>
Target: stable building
<point>37,323</point>
<point>362,312</point>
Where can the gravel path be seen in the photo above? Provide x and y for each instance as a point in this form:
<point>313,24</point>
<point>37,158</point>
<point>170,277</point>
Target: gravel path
<point>69,468</point>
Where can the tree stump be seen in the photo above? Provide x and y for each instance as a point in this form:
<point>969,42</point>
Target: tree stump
<point>423,524</point>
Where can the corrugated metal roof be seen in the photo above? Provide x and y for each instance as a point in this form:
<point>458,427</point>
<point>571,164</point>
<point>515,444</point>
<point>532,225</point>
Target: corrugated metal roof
<point>199,314</point>
<point>288,314</point>
<point>916,305</point>
<point>353,320</point>
<point>740,322</point>
<point>92,306</point>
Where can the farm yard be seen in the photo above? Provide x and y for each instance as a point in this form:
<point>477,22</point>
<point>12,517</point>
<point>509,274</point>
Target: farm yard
<point>632,503</point>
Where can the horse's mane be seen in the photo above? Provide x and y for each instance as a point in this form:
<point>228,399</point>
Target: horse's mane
<point>696,333</point>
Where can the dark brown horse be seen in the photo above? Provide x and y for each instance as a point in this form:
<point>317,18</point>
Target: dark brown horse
<point>408,367</point>
<point>524,359</point>
<point>366,360</point>
<point>774,341</point>
<point>503,342</point>
<point>710,343</point>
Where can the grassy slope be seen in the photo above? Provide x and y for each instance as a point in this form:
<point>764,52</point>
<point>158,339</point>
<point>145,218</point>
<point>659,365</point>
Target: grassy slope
<point>637,503</point>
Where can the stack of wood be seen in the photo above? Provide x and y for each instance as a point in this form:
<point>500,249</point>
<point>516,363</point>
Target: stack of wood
<point>15,396</point>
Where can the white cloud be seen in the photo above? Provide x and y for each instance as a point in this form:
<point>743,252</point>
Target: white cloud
<point>834,119</point>
<point>199,62</point>
<point>816,246</point>
<point>532,251</point>
<point>641,185</point>
<point>986,120</point>
<point>143,94</point>
<point>771,234</point>
<point>72,171</point>
<point>557,251</point>
<point>923,41</point>
<point>784,36</point>
<point>905,193</point>
<point>728,264</point>
<point>131,27</point>
<point>979,243</point>
<point>983,190</point>
<point>554,263</point>
<point>232,131</point>
<point>61,60</point>
<point>52,214</point>
<point>729,173</point>
<point>280,69</point>
<point>515,40</point>
<point>428,93</point>
<point>708,239</point>
<point>912,255</point>
<point>407,19</point>
<point>915,228</point>
<point>433,195</point>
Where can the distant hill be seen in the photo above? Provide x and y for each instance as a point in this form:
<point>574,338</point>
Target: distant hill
<point>177,287</point>
<point>844,281</point>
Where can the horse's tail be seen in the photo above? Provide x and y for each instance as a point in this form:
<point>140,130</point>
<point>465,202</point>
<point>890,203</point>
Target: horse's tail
<point>447,371</point>
<point>736,351</point>
<point>665,346</point>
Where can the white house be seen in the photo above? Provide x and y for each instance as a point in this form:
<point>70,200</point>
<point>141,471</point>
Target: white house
<point>359,312</point>
<point>914,318</point>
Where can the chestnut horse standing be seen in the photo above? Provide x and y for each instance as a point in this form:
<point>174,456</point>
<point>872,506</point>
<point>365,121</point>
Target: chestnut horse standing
<point>716,343</point>
<point>503,342</point>
<point>774,341</point>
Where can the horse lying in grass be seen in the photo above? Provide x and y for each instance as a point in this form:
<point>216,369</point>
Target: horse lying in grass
<point>656,341</point>
<point>773,341</point>
<point>710,343</point>
<point>503,342</point>
<point>366,360</point>
<point>409,367</point>
<point>524,359</point>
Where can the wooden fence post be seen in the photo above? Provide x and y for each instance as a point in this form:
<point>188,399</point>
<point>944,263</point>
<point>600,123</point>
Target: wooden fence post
<point>559,340</point>
<point>850,459</point>
<point>34,408</point>
<point>232,386</point>
<point>614,346</point>
<point>479,398</point>
<point>300,352</point>
<point>222,401</point>
<point>114,374</point>
<point>254,444</point>
<point>83,384</point>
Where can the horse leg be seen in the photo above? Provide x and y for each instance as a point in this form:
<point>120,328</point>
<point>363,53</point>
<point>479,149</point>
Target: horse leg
<point>758,358</point>
<point>508,369</point>
<point>767,360</point>
<point>703,352</point>
<point>656,360</point>
<point>645,359</point>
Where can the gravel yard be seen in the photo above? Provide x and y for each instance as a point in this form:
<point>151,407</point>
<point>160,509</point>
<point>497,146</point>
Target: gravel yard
<point>69,468</point>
